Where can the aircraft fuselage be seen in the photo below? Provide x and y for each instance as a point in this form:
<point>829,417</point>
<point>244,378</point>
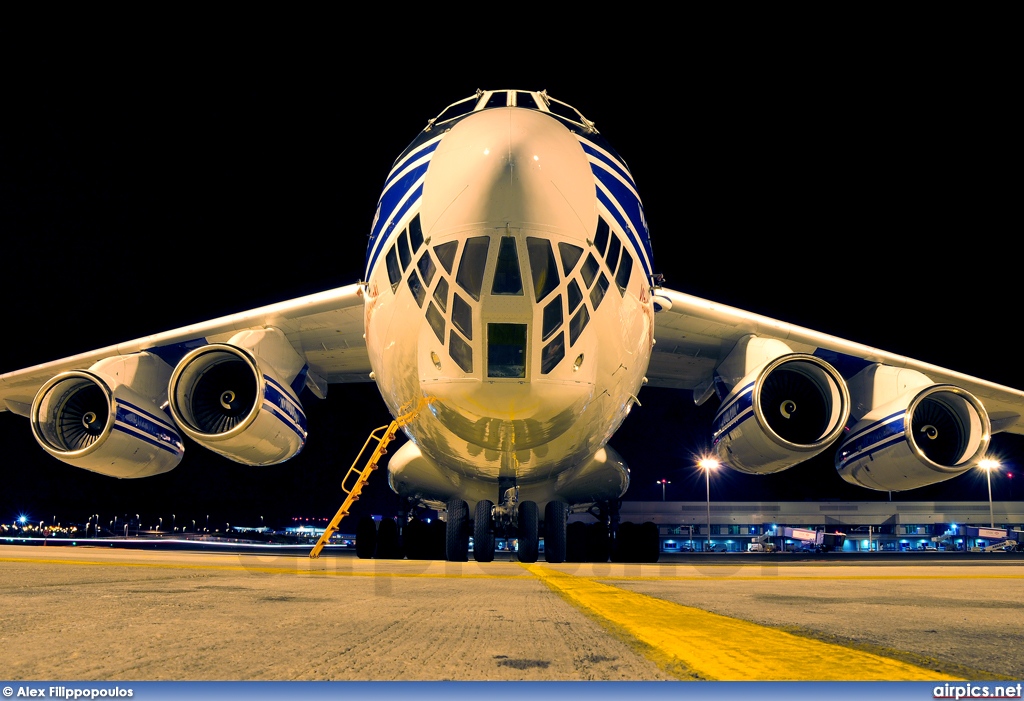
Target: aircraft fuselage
<point>506,283</point>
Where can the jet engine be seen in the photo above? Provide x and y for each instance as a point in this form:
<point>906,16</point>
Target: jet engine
<point>235,401</point>
<point>925,436</point>
<point>106,419</point>
<point>784,412</point>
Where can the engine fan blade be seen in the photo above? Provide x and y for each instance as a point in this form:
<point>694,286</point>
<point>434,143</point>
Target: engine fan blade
<point>794,406</point>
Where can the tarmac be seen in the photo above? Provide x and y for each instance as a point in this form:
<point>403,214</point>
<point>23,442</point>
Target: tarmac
<point>105,613</point>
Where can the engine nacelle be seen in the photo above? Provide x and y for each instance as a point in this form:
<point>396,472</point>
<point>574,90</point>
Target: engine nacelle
<point>925,436</point>
<point>787,411</point>
<point>93,420</point>
<point>231,401</point>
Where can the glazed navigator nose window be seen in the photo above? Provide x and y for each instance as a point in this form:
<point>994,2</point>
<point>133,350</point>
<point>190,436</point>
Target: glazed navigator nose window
<point>506,350</point>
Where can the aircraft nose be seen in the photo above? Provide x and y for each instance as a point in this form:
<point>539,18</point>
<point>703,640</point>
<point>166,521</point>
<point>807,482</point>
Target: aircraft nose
<point>509,167</point>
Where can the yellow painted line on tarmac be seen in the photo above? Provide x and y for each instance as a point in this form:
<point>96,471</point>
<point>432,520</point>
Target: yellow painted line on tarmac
<point>696,644</point>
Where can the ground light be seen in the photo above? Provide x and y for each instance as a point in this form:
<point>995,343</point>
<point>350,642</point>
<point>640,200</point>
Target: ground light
<point>988,465</point>
<point>708,464</point>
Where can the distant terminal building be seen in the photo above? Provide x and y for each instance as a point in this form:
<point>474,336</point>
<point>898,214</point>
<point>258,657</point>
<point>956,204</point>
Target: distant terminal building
<point>737,526</point>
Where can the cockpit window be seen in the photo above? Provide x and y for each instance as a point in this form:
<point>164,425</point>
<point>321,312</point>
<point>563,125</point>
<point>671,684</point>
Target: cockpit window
<point>507,278</point>
<point>525,99</point>
<point>462,316</point>
<point>597,294</point>
<point>613,253</point>
<point>573,296</point>
<point>394,272</point>
<point>498,99</point>
<point>441,294</point>
<point>542,266</point>
<point>552,317</point>
<point>436,321</point>
<point>625,268</point>
<point>460,351</point>
<point>601,236</point>
<point>415,233</point>
<point>445,253</point>
<point>570,256</point>
<point>552,354</point>
<point>416,287</point>
<point>403,250</point>
<point>589,270</point>
<point>427,268</point>
<point>506,350</point>
<point>471,267</point>
<point>578,323</point>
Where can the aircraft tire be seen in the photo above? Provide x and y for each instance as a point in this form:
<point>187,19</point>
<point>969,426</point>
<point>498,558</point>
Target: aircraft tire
<point>597,543</point>
<point>437,531</point>
<point>529,531</point>
<point>457,531</point>
<point>483,533</point>
<point>649,541</point>
<point>624,548</point>
<point>576,542</point>
<point>366,538</point>
<point>388,547</point>
<point>555,515</point>
<point>415,540</point>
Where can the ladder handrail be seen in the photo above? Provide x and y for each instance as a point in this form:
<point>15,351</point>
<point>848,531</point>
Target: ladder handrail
<point>363,475</point>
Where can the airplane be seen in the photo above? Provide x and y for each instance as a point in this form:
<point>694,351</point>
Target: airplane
<point>510,294</point>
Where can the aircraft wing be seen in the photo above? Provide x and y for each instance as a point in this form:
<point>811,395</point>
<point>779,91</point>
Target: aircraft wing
<point>325,329</point>
<point>694,335</point>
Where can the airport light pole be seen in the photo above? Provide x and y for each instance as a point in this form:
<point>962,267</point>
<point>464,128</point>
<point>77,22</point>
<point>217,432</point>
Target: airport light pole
<point>708,464</point>
<point>662,482</point>
<point>989,465</point>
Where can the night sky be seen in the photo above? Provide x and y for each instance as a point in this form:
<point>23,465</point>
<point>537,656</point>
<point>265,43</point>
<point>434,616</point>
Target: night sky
<point>866,198</point>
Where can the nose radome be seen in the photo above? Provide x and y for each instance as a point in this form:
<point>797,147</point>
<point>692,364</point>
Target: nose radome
<point>509,167</point>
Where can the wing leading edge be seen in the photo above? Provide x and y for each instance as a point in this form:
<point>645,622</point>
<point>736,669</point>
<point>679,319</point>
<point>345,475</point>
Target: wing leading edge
<point>695,336</point>
<point>325,330</point>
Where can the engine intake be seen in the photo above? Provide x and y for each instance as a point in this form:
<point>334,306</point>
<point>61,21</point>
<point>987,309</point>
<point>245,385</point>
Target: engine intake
<point>787,411</point>
<point>85,420</point>
<point>926,436</point>
<point>227,400</point>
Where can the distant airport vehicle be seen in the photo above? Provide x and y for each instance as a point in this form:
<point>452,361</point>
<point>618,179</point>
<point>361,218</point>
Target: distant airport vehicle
<point>994,539</point>
<point>762,544</point>
<point>805,539</point>
<point>510,287</point>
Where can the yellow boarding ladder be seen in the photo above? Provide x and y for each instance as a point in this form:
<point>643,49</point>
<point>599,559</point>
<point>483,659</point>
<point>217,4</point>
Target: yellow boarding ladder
<point>361,476</point>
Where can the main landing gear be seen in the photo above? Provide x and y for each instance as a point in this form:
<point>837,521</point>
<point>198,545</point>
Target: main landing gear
<point>509,518</point>
<point>608,539</point>
<point>421,538</point>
